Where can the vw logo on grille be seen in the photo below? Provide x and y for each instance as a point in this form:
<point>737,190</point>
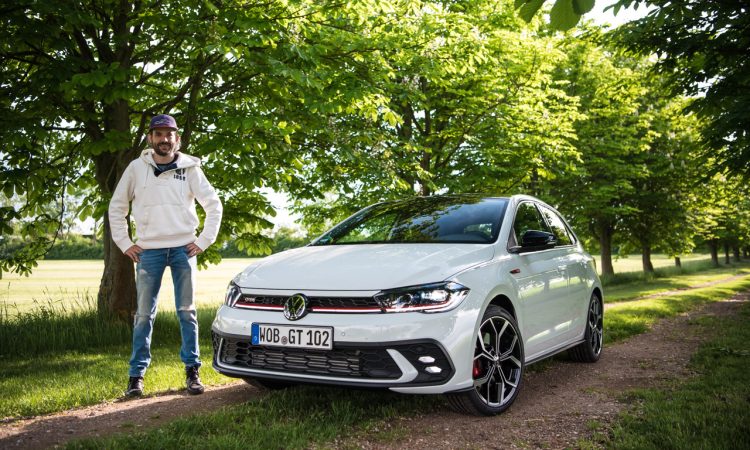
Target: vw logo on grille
<point>295,307</point>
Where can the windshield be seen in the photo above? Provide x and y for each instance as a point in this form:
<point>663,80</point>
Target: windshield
<point>422,220</point>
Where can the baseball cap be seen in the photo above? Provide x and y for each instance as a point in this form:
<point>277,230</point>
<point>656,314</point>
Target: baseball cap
<point>163,121</point>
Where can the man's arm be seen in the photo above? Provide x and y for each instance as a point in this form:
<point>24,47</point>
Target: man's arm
<point>119,206</point>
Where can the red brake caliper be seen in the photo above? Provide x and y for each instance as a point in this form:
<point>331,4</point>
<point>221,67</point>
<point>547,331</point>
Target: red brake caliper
<point>476,370</point>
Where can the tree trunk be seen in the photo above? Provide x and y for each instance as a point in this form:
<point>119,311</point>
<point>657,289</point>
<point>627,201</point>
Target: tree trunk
<point>605,243</point>
<point>713,247</point>
<point>677,262</point>
<point>648,267</point>
<point>117,295</point>
<point>726,254</point>
<point>736,251</point>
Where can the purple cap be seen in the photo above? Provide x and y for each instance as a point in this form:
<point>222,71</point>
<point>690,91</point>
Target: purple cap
<point>163,121</point>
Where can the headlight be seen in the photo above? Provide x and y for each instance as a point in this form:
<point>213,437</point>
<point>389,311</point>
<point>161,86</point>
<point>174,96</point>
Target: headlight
<point>233,294</point>
<point>435,297</point>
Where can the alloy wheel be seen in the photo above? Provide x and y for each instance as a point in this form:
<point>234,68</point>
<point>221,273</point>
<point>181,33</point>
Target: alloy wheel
<point>595,325</point>
<point>497,365</point>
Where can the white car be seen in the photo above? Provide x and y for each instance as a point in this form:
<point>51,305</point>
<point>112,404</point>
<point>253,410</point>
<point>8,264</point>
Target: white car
<point>446,294</point>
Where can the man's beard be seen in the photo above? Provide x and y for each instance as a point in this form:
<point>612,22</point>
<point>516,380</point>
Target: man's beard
<point>165,149</point>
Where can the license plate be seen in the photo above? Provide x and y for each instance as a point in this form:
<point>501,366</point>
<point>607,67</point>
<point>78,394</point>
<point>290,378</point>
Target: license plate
<point>292,336</point>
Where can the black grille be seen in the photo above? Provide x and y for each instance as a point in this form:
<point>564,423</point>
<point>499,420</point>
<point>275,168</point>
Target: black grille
<point>321,302</point>
<point>347,360</point>
<point>353,363</point>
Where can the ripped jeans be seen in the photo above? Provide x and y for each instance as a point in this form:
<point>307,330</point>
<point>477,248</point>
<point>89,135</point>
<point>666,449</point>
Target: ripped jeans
<point>149,272</point>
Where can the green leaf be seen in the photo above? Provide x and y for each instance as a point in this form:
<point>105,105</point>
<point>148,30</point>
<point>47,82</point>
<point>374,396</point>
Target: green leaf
<point>529,9</point>
<point>581,7</point>
<point>562,16</point>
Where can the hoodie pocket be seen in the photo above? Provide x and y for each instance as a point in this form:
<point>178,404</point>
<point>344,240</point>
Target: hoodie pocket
<point>165,220</point>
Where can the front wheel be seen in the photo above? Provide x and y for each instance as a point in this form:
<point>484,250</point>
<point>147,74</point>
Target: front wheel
<point>591,348</point>
<point>497,366</point>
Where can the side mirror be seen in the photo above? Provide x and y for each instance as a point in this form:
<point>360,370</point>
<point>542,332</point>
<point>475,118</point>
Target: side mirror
<point>535,240</point>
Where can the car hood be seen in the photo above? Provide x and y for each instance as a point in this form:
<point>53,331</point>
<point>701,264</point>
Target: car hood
<point>362,267</point>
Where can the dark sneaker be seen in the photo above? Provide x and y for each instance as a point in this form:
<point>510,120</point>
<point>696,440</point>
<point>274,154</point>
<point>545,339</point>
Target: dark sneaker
<point>135,387</point>
<point>193,381</point>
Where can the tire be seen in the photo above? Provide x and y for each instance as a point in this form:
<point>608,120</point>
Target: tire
<point>590,349</point>
<point>271,385</point>
<point>497,366</point>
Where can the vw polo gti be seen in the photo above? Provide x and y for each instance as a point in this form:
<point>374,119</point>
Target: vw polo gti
<point>448,294</point>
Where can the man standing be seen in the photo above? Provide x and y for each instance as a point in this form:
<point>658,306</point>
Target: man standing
<point>163,185</point>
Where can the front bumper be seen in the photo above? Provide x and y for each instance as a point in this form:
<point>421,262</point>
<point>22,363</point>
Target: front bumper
<point>405,352</point>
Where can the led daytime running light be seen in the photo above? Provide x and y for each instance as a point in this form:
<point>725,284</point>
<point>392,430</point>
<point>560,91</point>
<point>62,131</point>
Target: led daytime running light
<point>435,297</point>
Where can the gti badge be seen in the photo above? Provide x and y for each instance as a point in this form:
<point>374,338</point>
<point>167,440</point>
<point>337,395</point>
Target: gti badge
<point>295,307</point>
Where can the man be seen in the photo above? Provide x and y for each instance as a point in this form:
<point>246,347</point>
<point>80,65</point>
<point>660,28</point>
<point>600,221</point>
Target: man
<point>163,185</point>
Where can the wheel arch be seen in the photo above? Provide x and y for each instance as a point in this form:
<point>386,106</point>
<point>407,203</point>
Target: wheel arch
<point>504,302</point>
<point>599,293</point>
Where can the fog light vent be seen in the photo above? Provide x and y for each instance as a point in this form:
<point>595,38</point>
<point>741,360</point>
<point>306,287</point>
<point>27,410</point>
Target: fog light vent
<point>426,359</point>
<point>433,369</point>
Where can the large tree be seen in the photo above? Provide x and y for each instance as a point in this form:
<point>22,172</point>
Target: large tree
<point>702,47</point>
<point>724,219</point>
<point>667,195</point>
<point>610,89</point>
<point>80,79</point>
<point>474,109</point>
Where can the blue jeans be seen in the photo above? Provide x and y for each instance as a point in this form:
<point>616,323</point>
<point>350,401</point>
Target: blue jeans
<point>149,272</point>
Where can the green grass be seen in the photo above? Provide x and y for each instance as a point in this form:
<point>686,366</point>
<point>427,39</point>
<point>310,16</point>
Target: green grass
<point>707,411</point>
<point>628,319</point>
<point>63,283</point>
<point>634,263</point>
<point>58,381</point>
<point>55,359</point>
<point>631,285</point>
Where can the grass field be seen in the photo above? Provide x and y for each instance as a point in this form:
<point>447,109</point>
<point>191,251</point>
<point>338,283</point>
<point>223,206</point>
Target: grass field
<point>76,283</point>
<point>633,263</point>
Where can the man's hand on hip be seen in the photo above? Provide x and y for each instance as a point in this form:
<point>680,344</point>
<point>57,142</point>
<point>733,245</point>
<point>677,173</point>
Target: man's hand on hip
<point>134,253</point>
<point>193,249</point>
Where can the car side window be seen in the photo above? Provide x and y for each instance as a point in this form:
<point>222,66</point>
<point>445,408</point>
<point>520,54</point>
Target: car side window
<point>527,218</point>
<point>558,227</point>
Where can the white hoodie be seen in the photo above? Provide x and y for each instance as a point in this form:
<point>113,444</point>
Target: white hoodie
<point>164,206</point>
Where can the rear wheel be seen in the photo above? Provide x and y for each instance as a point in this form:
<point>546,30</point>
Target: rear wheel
<point>591,348</point>
<point>272,385</point>
<point>497,366</point>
